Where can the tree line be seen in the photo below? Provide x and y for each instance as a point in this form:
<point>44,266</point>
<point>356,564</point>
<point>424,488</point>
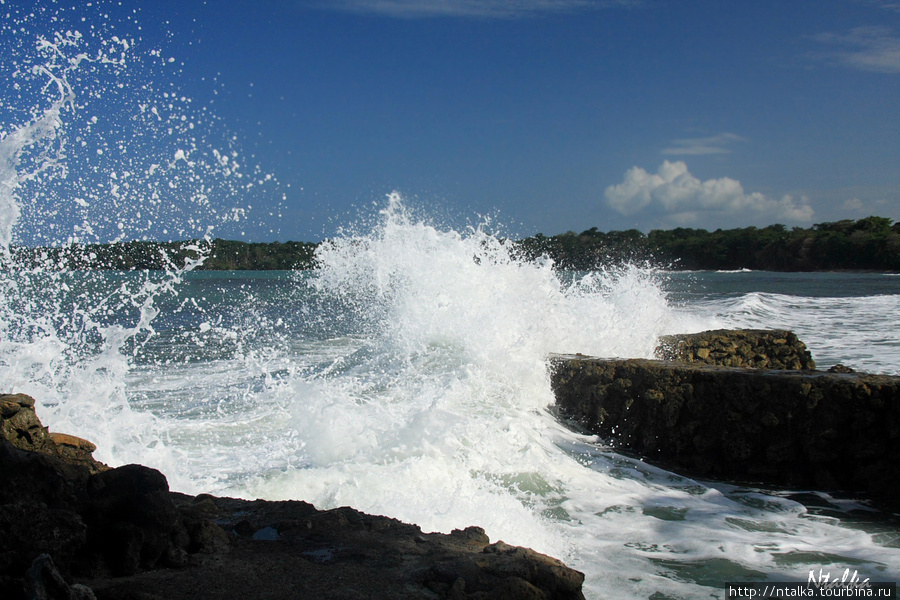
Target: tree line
<point>870,244</point>
<point>222,255</point>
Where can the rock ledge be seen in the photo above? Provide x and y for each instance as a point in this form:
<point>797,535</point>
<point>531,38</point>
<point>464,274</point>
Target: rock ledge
<point>797,428</point>
<point>72,528</point>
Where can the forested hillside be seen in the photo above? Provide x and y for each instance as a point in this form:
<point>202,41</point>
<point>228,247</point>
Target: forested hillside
<point>870,244</point>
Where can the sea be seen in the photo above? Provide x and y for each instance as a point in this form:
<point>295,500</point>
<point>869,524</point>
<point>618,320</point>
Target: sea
<point>407,374</point>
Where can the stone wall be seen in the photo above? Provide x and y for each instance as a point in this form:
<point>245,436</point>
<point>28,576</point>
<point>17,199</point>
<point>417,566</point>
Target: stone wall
<point>807,429</point>
<point>755,348</point>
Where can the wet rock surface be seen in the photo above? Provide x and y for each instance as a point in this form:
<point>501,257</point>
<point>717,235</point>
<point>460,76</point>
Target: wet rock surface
<point>73,528</point>
<point>798,428</point>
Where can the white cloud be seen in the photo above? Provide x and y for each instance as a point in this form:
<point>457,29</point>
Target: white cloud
<point>684,199</point>
<point>502,9</point>
<point>854,204</point>
<point>714,144</point>
<point>874,49</point>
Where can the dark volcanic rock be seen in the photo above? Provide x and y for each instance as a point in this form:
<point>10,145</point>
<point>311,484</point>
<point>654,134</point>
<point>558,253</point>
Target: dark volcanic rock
<point>44,582</point>
<point>754,348</point>
<point>291,550</point>
<point>133,522</point>
<point>21,427</point>
<point>71,528</point>
<point>796,428</point>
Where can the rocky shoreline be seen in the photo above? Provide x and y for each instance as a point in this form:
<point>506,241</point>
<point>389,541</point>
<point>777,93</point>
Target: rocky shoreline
<point>742,406</point>
<point>72,528</point>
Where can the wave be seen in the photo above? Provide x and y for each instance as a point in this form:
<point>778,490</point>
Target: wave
<point>859,331</point>
<point>407,376</point>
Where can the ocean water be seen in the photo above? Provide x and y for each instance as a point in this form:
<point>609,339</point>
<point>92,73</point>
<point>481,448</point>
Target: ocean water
<point>407,375</point>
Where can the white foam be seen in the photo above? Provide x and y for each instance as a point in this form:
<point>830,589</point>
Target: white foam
<point>411,382</point>
<point>80,163</point>
<point>441,420</point>
<point>859,331</point>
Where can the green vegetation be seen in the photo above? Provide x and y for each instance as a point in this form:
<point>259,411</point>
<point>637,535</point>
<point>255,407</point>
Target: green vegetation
<point>870,244</point>
<point>275,256</point>
<point>224,255</point>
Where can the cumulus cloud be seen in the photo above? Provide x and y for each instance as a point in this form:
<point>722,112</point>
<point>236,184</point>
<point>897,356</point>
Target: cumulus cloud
<point>874,49</point>
<point>714,144</point>
<point>684,199</point>
<point>502,9</point>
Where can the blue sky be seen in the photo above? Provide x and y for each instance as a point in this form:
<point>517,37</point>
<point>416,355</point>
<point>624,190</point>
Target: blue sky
<point>553,115</point>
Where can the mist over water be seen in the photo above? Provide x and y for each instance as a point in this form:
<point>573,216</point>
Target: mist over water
<point>406,376</point>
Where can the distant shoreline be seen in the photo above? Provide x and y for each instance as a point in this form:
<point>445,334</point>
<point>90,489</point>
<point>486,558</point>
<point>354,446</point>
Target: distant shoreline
<point>867,245</point>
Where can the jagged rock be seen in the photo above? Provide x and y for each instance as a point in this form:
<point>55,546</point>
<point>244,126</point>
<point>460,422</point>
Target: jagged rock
<point>30,530</point>
<point>44,582</point>
<point>70,531</point>
<point>753,348</point>
<point>20,425</point>
<point>10,404</point>
<point>38,496</point>
<point>74,449</point>
<point>343,553</point>
<point>796,428</point>
<point>132,520</point>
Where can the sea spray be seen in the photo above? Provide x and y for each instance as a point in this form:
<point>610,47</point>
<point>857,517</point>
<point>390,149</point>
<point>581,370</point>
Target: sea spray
<point>436,411</point>
<point>439,414</point>
<point>407,376</point>
<point>98,144</point>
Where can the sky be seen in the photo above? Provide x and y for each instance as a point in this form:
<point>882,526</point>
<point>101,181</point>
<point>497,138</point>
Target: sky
<point>551,115</point>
